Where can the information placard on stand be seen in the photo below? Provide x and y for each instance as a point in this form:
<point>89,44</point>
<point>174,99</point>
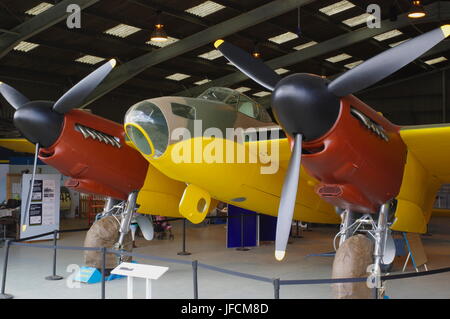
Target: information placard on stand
<point>43,216</point>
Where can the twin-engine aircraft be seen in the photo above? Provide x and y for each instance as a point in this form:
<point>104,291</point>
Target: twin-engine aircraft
<point>378,175</point>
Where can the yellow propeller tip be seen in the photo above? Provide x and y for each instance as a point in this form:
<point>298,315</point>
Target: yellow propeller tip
<point>218,43</point>
<point>446,30</point>
<point>279,254</point>
<point>24,228</point>
<point>113,62</point>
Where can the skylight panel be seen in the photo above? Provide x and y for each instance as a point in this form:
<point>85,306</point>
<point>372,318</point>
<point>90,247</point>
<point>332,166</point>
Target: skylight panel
<point>43,6</point>
<point>336,7</point>
<point>281,71</point>
<point>211,55</point>
<point>305,45</point>
<point>90,59</point>
<point>25,46</point>
<point>388,35</point>
<point>261,94</point>
<point>163,44</point>
<point>397,43</point>
<point>339,58</point>
<point>205,8</point>
<point>353,22</point>
<point>202,82</point>
<point>177,76</point>
<point>285,37</point>
<point>436,60</point>
<point>122,30</point>
<point>243,89</point>
<point>353,64</point>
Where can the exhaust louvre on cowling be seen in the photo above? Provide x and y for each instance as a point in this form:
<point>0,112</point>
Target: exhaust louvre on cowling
<point>88,132</point>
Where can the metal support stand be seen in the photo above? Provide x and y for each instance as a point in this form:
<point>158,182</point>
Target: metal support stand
<point>195,277</point>
<point>297,230</point>
<point>276,288</point>
<point>5,268</point>
<point>242,248</point>
<point>54,276</point>
<point>184,252</point>
<point>103,272</point>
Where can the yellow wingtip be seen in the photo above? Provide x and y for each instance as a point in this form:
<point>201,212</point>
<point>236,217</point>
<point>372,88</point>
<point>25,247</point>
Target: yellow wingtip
<point>446,29</point>
<point>218,43</point>
<point>279,254</point>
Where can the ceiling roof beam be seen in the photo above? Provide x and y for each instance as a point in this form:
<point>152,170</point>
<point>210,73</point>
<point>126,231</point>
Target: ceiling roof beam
<point>37,24</point>
<point>128,70</point>
<point>322,48</point>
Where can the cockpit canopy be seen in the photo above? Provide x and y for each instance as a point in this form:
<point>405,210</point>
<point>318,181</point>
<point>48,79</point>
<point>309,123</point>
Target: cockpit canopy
<point>241,102</point>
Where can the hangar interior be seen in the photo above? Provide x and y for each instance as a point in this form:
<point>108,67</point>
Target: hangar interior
<point>42,57</point>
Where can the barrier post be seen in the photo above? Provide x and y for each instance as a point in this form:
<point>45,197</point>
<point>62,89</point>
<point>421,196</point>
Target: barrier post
<point>184,252</point>
<point>5,268</point>
<point>242,248</point>
<point>276,288</point>
<point>103,250</point>
<point>54,276</point>
<point>195,277</point>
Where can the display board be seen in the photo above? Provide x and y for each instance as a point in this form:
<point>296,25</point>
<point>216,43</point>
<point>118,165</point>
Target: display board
<point>43,216</point>
<point>415,246</point>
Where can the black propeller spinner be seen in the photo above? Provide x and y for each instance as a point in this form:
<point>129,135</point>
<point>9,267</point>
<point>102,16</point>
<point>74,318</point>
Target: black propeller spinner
<point>307,106</point>
<point>41,122</point>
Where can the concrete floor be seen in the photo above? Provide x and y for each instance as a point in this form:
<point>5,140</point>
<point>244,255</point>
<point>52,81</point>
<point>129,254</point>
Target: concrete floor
<point>29,266</point>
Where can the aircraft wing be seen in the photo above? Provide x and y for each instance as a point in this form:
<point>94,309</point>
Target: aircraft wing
<point>427,168</point>
<point>18,144</point>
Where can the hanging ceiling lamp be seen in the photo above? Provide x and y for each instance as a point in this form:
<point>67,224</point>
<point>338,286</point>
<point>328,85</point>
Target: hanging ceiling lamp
<point>159,34</point>
<point>417,10</point>
<point>256,53</point>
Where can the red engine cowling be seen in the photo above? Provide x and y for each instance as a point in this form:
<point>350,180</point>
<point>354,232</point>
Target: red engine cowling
<point>360,161</point>
<point>92,151</point>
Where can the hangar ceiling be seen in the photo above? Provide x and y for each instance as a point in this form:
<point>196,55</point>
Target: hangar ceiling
<point>42,57</point>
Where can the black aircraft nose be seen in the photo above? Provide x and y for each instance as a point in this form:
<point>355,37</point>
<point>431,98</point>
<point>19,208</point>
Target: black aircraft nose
<point>302,104</point>
<point>38,123</point>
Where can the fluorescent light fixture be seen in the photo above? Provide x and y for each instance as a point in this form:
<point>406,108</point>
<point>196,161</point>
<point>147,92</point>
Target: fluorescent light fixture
<point>122,30</point>
<point>388,35</point>
<point>202,82</point>
<point>305,45</point>
<point>261,94</point>
<point>285,37</point>
<point>211,55</point>
<point>281,71</point>
<point>353,64</point>
<point>43,6</point>
<point>336,7</point>
<point>339,58</point>
<point>170,40</point>
<point>353,22</point>
<point>90,59</point>
<point>397,43</point>
<point>177,76</point>
<point>243,89</point>
<point>25,46</point>
<point>205,8</point>
<point>436,60</point>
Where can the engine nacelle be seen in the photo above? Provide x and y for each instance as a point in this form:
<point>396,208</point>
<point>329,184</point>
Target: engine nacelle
<point>360,161</point>
<point>92,151</point>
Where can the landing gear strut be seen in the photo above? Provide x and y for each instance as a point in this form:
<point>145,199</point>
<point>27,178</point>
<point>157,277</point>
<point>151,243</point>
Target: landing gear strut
<point>361,237</point>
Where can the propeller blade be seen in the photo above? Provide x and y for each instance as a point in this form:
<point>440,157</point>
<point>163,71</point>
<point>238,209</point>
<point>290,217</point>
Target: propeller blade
<point>253,68</point>
<point>77,94</point>
<point>287,200</point>
<point>386,63</point>
<point>14,97</point>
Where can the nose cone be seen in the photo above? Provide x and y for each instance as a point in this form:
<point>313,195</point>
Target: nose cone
<point>147,128</point>
<point>38,123</point>
<point>302,104</point>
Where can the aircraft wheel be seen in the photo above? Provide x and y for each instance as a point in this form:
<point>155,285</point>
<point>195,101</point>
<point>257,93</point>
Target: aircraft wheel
<point>105,233</point>
<point>351,261</point>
